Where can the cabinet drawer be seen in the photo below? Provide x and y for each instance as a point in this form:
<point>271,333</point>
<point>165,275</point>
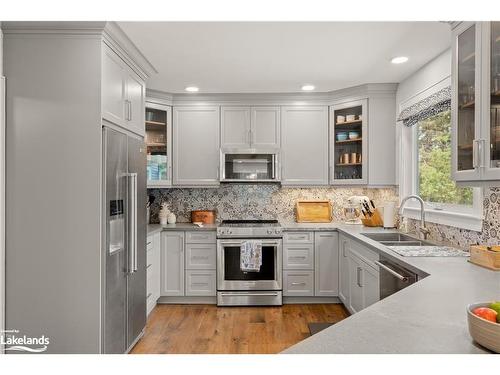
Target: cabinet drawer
<point>201,256</point>
<point>200,237</point>
<point>298,237</point>
<point>298,283</point>
<point>298,257</point>
<point>200,283</point>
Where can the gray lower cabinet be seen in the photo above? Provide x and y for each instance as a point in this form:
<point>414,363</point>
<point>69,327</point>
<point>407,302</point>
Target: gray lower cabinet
<point>172,263</point>
<point>196,133</point>
<point>152,271</point>
<point>298,283</point>
<point>201,260</point>
<point>304,145</point>
<point>363,277</point>
<point>326,264</point>
<point>343,269</point>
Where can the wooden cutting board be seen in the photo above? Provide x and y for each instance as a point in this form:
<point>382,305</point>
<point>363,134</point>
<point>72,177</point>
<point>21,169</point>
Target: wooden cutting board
<point>313,212</point>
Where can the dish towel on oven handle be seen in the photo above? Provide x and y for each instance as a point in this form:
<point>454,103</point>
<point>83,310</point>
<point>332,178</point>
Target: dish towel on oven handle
<point>251,256</point>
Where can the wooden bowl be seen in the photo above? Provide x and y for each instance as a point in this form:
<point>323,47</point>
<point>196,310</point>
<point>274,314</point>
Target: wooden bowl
<point>203,216</point>
<point>484,332</point>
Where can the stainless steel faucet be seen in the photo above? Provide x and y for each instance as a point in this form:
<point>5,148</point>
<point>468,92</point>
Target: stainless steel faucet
<point>423,229</point>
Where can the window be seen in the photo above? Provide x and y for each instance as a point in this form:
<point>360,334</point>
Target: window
<point>426,171</point>
<point>435,184</point>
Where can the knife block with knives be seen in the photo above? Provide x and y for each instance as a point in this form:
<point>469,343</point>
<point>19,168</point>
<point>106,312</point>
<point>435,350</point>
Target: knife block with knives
<point>372,217</point>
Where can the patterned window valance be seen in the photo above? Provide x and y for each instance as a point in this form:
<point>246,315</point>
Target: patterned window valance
<point>428,107</point>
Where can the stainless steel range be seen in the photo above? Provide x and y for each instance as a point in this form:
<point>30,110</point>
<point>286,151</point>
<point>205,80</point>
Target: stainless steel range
<point>249,288</point>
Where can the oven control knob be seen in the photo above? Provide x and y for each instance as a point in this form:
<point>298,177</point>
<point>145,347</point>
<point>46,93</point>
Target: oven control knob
<point>230,232</point>
<point>269,231</point>
<point>277,231</point>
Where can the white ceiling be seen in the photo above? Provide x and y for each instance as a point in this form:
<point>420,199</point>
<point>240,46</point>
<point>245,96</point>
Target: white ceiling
<point>244,57</point>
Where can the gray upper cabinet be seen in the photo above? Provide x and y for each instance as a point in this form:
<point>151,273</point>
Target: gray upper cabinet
<point>113,87</point>
<point>476,103</point>
<point>123,93</point>
<point>326,264</point>
<point>196,146</point>
<point>265,127</point>
<point>235,127</point>
<point>304,145</point>
<point>250,127</point>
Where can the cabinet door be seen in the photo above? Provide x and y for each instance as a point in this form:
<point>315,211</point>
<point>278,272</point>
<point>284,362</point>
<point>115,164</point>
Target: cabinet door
<point>265,127</point>
<point>349,143</point>
<point>135,93</point>
<point>159,145</point>
<point>355,301</point>
<point>491,95</point>
<point>343,270</point>
<point>172,264</point>
<point>466,102</point>
<point>196,146</point>
<point>326,264</point>
<point>235,127</point>
<point>304,145</point>
<point>113,87</point>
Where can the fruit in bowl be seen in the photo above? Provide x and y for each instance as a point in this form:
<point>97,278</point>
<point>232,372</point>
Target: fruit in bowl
<point>484,324</point>
<point>486,313</point>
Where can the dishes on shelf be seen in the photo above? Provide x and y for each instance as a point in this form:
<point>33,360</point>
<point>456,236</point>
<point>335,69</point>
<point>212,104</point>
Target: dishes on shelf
<point>353,135</point>
<point>342,136</point>
<point>350,118</point>
<point>340,119</point>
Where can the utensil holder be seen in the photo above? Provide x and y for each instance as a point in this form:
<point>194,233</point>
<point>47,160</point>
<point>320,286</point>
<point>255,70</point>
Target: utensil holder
<point>373,221</point>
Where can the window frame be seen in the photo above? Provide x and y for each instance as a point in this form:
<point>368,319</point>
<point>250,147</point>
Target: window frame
<point>470,218</point>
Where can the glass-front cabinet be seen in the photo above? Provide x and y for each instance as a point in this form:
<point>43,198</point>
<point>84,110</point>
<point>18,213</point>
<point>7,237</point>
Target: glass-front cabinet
<point>476,102</point>
<point>348,135</point>
<point>159,145</point>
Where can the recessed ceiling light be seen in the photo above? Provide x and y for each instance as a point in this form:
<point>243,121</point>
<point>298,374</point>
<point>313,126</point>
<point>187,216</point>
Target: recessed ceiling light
<point>308,88</point>
<point>399,60</point>
<point>192,89</point>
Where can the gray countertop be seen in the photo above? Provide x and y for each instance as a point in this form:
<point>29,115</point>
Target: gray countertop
<point>426,317</point>
<point>153,228</point>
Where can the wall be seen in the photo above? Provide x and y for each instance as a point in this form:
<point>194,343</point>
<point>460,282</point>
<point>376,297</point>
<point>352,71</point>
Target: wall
<point>257,201</point>
<point>430,78</point>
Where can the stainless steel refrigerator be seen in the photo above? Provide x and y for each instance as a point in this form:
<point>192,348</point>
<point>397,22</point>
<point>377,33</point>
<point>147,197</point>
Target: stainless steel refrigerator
<point>124,240</point>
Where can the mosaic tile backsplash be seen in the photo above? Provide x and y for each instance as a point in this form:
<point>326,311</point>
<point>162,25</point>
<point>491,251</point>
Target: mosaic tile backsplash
<point>464,238</point>
<point>266,201</point>
<point>256,201</point>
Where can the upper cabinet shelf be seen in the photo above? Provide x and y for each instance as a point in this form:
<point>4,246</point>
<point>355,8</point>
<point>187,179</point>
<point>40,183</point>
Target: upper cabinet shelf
<point>476,103</point>
<point>158,145</point>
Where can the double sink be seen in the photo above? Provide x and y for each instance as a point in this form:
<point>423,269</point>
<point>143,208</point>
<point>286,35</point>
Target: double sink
<point>405,245</point>
<point>397,239</point>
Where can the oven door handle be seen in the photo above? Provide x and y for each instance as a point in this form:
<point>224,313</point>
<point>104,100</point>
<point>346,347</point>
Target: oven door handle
<point>391,271</point>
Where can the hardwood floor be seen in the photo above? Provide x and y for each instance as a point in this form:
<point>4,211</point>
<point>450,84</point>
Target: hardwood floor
<point>208,329</point>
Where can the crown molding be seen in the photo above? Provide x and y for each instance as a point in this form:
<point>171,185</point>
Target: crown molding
<point>379,90</point>
<point>110,32</point>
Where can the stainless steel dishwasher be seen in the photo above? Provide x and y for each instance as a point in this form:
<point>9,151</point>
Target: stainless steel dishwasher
<point>394,277</point>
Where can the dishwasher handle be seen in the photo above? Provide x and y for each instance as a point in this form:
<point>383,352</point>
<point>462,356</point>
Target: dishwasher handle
<point>392,272</point>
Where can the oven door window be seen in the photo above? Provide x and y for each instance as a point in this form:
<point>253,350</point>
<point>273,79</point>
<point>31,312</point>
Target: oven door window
<point>233,272</point>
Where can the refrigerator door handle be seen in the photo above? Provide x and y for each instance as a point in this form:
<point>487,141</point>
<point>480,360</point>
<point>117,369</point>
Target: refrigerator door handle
<point>132,221</point>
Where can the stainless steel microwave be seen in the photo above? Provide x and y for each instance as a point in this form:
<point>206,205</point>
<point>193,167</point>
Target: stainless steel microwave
<point>249,165</point>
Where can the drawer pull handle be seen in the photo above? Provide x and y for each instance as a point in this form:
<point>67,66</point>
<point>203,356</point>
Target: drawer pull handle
<point>149,265</point>
<point>149,243</point>
<point>299,283</point>
<point>298,257</point>
<point>199,257</point>
<point>199,283</point>
<point>149,295</point>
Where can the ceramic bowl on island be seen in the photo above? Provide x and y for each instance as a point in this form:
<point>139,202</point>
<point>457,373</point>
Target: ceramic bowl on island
<point>485,332</point>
